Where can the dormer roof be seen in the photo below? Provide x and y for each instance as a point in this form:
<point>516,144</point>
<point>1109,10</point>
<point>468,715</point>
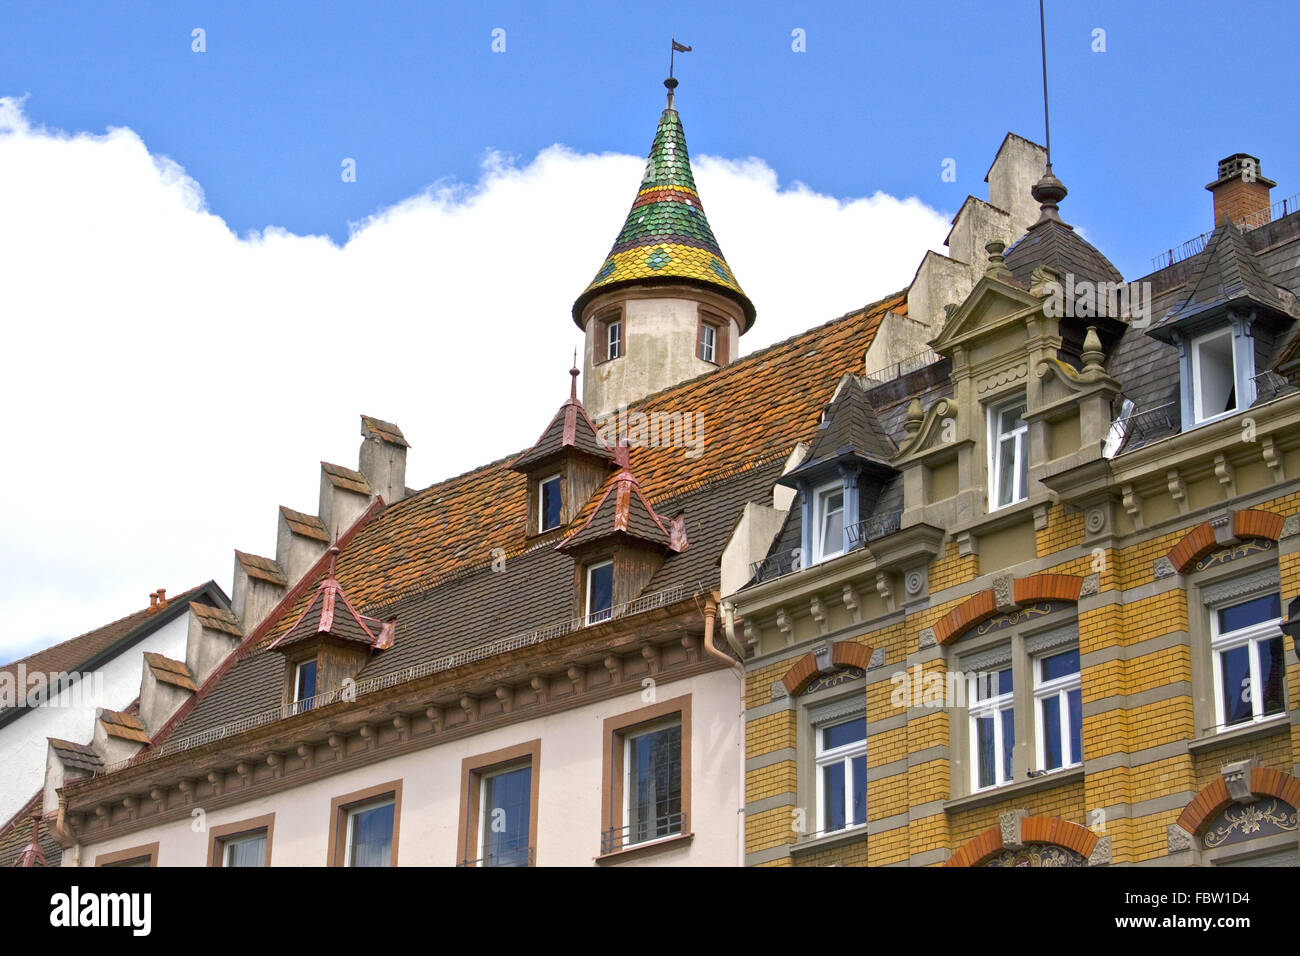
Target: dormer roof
<point>1053,243</point>
<point>850,432</point>
<point>571,430</point>
<point>329,613</point>
<point>622,511</point>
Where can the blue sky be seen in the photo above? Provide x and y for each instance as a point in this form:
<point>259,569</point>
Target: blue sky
<point>885,92</point>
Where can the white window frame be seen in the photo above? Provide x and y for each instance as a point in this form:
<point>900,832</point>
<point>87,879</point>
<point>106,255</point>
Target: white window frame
<point>227,843</point>
<point>1020,462</point>
<point>826,758</point>
<point>1060,688</point>
<point>614,339</point>
<point>484,811</point>
<point>354,812</point>
<point>819,515</point>
<point>1253,635</point>
<point>629,782</point>
<point>591,569</point>
<point>541,504</point>
<point>1195,346</point>
<point>709,342</point>
<point>993,706</point>
<point>297,684</point>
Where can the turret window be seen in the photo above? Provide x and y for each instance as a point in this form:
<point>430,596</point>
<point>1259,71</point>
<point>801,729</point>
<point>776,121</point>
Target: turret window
<point>548,503</point>
<point>609,337</point>
<point>712,346</point>
<point>1008,458</point>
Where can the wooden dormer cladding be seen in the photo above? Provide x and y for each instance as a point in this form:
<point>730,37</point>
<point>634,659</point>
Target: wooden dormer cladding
<point>571,448</point>
<point>331,632</point>
<point>623,528</point>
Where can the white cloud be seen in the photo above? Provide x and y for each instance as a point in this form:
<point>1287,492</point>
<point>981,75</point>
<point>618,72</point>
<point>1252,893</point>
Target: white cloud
<point>169,383</point>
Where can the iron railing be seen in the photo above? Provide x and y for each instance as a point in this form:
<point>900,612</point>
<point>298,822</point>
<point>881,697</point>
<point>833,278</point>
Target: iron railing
<point>877,526</point>
<point>1245,224</point>
<point>520,856</point>
<point>357,689</point>
<point>905,366</point>
<point>641,832</point>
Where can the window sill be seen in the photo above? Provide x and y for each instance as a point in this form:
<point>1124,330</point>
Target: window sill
<point>827,841</point>
<point>1020,787</point>
<point>1263,728</point>
<point>649,848</point>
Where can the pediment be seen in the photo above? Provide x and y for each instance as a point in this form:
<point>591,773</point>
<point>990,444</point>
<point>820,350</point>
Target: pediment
<point>991,306</point>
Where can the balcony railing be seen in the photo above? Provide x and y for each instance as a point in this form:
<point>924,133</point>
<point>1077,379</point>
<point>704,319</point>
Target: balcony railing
<point>642,832</point>
<point>1197,243</point>
<point>523,856</point>
<point>359,689</point>
<point>877,526</point>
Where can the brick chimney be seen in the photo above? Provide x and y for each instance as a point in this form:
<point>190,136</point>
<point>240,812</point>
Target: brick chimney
<point>1241,191</point>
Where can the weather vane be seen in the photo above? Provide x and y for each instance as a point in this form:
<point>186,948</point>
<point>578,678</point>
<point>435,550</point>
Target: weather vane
<point>677,48</point>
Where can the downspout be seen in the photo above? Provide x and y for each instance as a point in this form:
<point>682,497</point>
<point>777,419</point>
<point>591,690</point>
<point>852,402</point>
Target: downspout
<point>710,616</point>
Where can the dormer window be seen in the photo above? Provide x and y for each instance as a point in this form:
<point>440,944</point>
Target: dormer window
<point>1214,376</point>
<point>828,518</point>
<point>304,685</point>
<point>600,591</point>
<point>548,503</point>
<point>1008,454</point>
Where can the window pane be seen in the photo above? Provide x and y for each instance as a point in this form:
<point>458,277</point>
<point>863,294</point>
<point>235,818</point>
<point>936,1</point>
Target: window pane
<point>372,836</point>
<point>1059,665</point>
<point>832,522</point>
<point>1216,387</point>
<point>848,732</point>
<point>1051,723</point>
<point>859,788</point>
<point>1006,478</point>
<point>1008,741</point>
<point>993,685</point>
<point>1257,611</point>
<point>1236,684</point>
<point>984,745</point>
<point>833,796</point>
<point>600,591</point>
<point>507,817</point>
<point>306,680</point>
<point>1272,675</point>
<point>1076,725</point>
<point>550,510</point>
<point>655,784</point>
<point>1009,419</point>
<point>246,851</point>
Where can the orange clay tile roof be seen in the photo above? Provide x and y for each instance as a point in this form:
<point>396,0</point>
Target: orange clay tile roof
<point>218,619</point>
<point>620,509</point>
<point>383,430</point>
<point>169,671</point>
<point>120,724</point>
<point>309,526</point>
<point>262,568</point>
<point>345,478</point>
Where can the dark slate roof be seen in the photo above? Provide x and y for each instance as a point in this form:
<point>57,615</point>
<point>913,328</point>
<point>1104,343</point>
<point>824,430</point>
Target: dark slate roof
<point>16,835</point>
<point>1228,273</point>
<point>851,428</point>
<point>1053,244</point>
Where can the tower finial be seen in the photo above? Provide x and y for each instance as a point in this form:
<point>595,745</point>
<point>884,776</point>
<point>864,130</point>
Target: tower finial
<point>670,82</point>
<point>1047,123</point>
<point>573,382</point>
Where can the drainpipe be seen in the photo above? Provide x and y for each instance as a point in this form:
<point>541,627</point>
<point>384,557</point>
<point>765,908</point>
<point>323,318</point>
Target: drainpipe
<point>710,616</point>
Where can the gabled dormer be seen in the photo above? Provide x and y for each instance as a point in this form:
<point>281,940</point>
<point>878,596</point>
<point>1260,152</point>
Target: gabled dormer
<point>1225,329</point>
<point>619,547</point>
<point>841,479</point>
<point>328,645</point>
<point>565,466</point>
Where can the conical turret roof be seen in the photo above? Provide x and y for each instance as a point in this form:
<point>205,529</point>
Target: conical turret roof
<point>666,238</point>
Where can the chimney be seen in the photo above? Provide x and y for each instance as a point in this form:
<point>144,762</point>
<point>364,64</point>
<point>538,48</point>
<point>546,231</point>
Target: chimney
<point>153,602</point>
<point>1241,192</point>
<point>383,458</point>
<point>162,598</point>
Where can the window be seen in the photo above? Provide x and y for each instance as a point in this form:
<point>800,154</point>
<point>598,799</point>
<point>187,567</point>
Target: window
<point>600,591</point>
<point>708,342</point>
<point>646,793</point>
<point>609,338</point>
<point>1008,461</point>
<point>135,856</point>
<point>992,730</point>
<point>653,788</point>
<point>828,522</point>
<point>1059,710</point>
<point>504,817</point>
<point>548,503</point>
<point>304,685</point>
<point>841,775</point>
<point>364,826</point>
<point>1214,376</point>
<point>712,342</point>
<point>246,843</point>
<point>1249,660</point>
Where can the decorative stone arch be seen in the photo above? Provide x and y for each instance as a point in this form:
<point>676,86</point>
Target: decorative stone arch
<point>825,659</point>
<point>1006,595</point>
<point>1017,832</point>
<point>1201,540</point>
<point>1237,784</point>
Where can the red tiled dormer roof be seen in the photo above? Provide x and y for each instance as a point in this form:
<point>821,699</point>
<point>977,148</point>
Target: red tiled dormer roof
<point>569,430</point>
<point>329,612</point>
<point>621,511</point>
